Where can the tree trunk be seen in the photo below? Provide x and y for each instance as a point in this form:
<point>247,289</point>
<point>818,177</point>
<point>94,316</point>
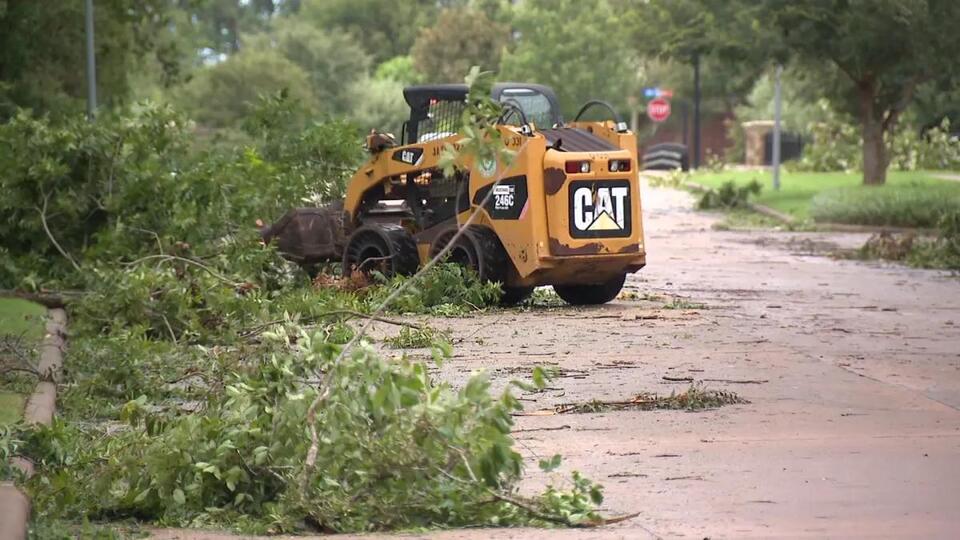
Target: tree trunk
<point>875,158</point>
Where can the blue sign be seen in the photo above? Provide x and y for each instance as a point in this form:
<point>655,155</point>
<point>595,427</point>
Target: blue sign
<point>651,92</point>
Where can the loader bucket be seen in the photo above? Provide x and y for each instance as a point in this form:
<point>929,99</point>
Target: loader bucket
<point>309,235</point>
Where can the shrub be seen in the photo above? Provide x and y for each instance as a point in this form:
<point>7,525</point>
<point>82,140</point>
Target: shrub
<point>131,184</point>
<point>937,149</point>
<point>944,252</point>
<point>729,195</point>
<point>900,206</point>
<point>833,146</point>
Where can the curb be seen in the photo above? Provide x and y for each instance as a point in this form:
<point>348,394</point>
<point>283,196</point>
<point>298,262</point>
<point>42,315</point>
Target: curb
<point>40,408</point>
<point>848,228</point>
<point>822,226</point>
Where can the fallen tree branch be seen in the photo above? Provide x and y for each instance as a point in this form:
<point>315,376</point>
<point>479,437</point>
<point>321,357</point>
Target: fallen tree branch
<point>737,381</point>
<point>252,331</point>
<point>529,507</point>
<point>57,299</point>
<point>373,317</point>
<point>205,268</point>
<point>326,385</point>
<point>43,221</point>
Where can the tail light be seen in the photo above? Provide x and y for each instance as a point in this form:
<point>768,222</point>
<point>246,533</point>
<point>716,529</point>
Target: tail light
<point>619,165</point>
<point>574,167</point>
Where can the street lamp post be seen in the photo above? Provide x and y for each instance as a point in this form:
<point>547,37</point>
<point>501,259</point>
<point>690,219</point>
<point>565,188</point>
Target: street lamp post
<point>777,107</point>
<point>91,63</point>
<point>696,110</point>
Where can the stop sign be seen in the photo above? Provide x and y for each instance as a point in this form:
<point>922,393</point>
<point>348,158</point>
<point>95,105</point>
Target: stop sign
<point>658,109</point>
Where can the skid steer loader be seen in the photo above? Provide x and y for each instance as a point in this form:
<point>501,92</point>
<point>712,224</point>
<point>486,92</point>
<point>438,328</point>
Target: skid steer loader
<point>566,211</point>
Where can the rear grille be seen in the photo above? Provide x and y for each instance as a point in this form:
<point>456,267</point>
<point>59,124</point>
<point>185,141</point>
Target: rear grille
<point>576,140</point>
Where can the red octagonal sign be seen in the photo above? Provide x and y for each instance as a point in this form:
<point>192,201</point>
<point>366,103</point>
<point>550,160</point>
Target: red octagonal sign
<point>658,109</point>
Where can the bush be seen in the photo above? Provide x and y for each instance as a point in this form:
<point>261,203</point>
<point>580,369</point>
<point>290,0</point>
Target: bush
<point>729,195</point>
<point>944,252</point>
<point>897,206</point>
<point>833,146</point>
<point>937,149</point>
<point>131,184</point>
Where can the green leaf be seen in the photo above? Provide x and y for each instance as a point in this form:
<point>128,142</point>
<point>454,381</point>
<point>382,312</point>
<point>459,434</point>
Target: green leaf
<point>551,464</point>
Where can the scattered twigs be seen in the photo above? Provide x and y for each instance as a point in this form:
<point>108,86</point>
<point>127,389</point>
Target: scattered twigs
<point>15,356</point>
<point>693,399</point>
<point>737,381</point>
<point>726,381</point>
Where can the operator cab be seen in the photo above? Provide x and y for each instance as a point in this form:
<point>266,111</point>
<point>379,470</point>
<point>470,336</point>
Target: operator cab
<point>435,109</point>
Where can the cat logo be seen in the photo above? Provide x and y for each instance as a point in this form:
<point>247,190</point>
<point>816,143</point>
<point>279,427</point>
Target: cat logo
<point>410,156</point>
<point>600,209</point>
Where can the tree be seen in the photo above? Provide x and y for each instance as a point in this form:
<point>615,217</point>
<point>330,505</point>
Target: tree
<point>384,28</point>
<point>219,26</point>
<point>400,69</point>
<point>869,58</point>
<point>333,61</point>
<point>461,38</point>
<point>879,53</point>
<point>572,46</point>
<point>221,95</point>
<point>42,51</point>
<point>378,104</point>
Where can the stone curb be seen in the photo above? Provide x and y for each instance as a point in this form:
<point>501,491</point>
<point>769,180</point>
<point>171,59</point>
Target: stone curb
<point>822,227</point>
<point>40,408</point>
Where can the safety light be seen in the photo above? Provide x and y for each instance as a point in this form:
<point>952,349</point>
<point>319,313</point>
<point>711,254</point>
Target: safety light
<point>619,165</point>
<point>574,167</point>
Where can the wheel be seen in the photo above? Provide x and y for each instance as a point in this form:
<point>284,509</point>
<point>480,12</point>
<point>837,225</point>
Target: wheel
<point>580,295</point>
<point>386,248</point>
<point>479,249</point>
<point>514,295</point>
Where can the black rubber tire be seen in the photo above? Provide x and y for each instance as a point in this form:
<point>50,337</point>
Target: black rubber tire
<point>477,248</point>
<point>514,295</point>
<point>391,245</point>
<point>583,295</point>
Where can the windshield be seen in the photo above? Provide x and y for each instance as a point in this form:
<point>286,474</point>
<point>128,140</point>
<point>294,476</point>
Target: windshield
<point>534,105</point>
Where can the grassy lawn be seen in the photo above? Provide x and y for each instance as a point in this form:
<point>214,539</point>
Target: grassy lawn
<point>21,317</point>
<point>17,317</point>
<point>911,199</point>
<point>11,407</point>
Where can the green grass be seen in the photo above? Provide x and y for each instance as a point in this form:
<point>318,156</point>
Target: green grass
<point>21,317</point>
<point>841,197</point>
<point>17,317</point>
<point>11,407</point>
